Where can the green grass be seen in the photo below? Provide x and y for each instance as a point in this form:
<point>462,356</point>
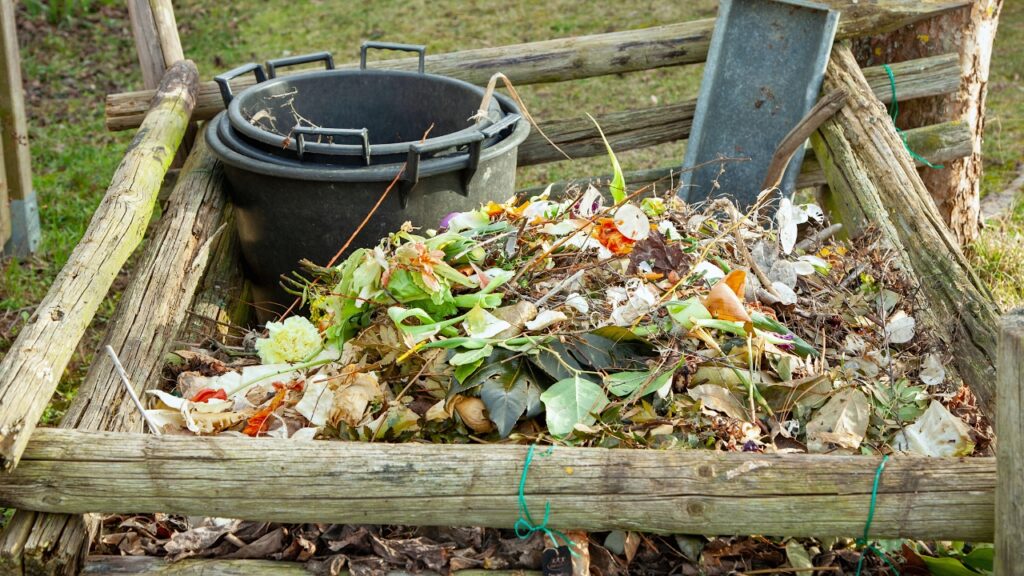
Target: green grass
<point>71,65</point>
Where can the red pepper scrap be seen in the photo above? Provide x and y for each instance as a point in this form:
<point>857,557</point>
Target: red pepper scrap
<point>207,394</point>
<point>257,423</point>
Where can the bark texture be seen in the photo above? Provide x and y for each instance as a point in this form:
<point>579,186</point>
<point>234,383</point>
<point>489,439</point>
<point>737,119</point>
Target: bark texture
<point>874,183</point>
<point>593,489</point>
<point>970,33</point>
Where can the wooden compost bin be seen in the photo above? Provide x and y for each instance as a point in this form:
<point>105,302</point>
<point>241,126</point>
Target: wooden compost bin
<point>188,282</point>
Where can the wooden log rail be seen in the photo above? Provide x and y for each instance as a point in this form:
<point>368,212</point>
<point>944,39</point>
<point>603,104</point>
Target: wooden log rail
<point>110,565</point>
<point>664,491</point>
<point>30,371</point>
<point>938,143</point>
<point>574,58</point>
<point>875,183</point>
<point>644,127</point>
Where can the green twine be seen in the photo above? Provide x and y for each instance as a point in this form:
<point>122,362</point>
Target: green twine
<point>525,526</point>
<point>863,540</point>
<point>894,110</point>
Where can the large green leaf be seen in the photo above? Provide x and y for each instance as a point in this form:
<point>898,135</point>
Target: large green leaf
<point>981,558</point>
<point>570,402</point>
<point>947,567</point>
<point>508,387</point>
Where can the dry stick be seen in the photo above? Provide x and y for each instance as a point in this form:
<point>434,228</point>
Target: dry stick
<point>131,390</point>
<point>819,236</point>
<point>741,247</point>
<point>489,93</point>
<point>825,108</point>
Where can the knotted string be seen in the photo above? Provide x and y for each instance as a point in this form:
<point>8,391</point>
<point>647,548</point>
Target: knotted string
<point>894,110</point>
<point>863,540</point>
<point>525,525</point>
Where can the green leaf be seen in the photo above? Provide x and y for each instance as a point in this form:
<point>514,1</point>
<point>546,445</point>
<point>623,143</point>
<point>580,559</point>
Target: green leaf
<point>947,567</point>
<point>658,383</point>
<point>570,402</point>
<point>618,185</point>
<point>458,342</point>
<point>625,383</point>
<point>505,401</point>
<point>981,558</point>
<point>685,311</point>
<point>800,345</point>
<point>508,387</point>
<point>462,372</point>
<point>471,356</point>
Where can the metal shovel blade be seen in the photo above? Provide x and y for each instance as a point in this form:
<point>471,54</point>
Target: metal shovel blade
<point>764,70</point>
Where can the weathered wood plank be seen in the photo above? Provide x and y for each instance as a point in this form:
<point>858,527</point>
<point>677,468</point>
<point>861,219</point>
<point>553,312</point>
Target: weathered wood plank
<point>17,155</point>
<point>874,182</point>
<point>167,31</point>
<point>30,371</point>
<point>1009,541</point>
<point>659,124</point>
<point>939,143</point>
<point>146,321</point>
<point>577,57</point>
<point>594,489</point>
<point>112,565</point>
<point>147,42</point>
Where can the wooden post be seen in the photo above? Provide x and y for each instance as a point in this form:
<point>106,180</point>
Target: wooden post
<point>159,47</point>
<point>1009,541</point>
<point>874,183</point>
<point>23,224</point>
<point>30,371</point>
<point>147,43</point>
<point>142,330</point>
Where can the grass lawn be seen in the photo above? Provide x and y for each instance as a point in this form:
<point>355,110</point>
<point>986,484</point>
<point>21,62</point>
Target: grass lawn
<point>70,66</point>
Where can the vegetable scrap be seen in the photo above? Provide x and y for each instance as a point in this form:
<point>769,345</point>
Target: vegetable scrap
<point>633,322</point>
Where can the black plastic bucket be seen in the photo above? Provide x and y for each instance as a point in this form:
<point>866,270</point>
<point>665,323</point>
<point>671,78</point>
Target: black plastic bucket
<point>287,210</point>
<point>351,117</point>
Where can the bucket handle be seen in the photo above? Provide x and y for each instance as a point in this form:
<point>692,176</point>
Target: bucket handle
<point>422,50</point>
<point>301,132</point>
<point>274,65</point>
<point>224,80</point>
<point>412,164</point>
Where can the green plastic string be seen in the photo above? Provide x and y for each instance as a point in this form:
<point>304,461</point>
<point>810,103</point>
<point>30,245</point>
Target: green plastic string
<point>525,525</point>
<point>894,110</point>
<point>863,540</point>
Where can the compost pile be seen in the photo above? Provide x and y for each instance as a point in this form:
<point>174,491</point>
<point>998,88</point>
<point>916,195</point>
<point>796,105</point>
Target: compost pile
<point>640,323</point>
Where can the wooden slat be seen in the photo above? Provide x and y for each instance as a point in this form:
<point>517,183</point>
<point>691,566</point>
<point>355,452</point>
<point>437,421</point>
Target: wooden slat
<point>875,183</point>
<point>147,42</point>
<point>644,127</point>
<point>939,143</point>
<point>594,489</point>
<point>576,57</point>
<point>167,31</point>
<point>1010,415</point>
<point>17,155</point>
<point>30,371</point>
<point>112,565</point>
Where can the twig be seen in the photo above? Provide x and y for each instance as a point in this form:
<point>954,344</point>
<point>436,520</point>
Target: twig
<point>819,236</point>
<point>559,287</point>
<point>131,391</point>
<point>486,102</point>
<point>741,247</point>
<point>828,105</point>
